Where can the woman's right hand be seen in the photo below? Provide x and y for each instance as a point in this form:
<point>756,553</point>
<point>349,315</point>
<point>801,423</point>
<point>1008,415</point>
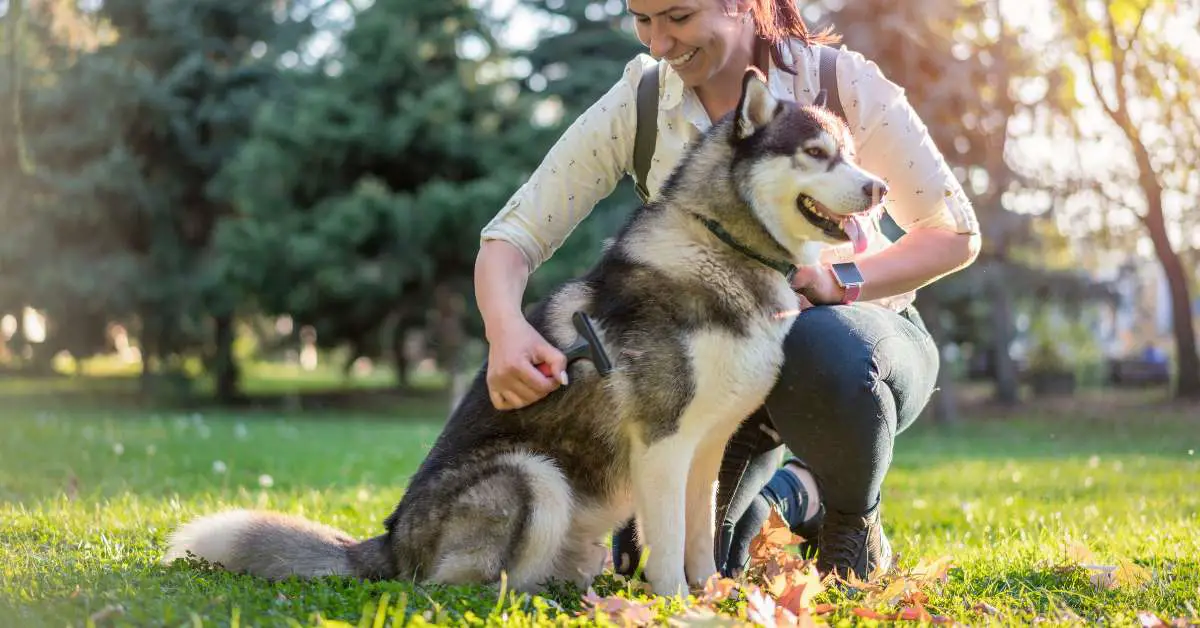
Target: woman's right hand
<point>515,352</point>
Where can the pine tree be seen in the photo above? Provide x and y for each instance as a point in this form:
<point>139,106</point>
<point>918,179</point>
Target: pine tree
<point>573,68</point>
<point>361,195</point>
<point>125,144</point>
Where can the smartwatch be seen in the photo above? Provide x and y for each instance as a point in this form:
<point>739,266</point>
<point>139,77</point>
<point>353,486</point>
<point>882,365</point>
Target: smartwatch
<point>850,279</point>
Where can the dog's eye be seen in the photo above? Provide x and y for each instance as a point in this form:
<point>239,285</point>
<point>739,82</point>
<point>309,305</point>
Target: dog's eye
<point>815,153</point>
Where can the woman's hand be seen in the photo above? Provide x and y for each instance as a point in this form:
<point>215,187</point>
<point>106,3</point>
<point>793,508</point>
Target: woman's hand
<point>816,285</point>
<point>515,351</point>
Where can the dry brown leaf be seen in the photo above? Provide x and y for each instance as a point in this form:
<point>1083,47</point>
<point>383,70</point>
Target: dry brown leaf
<point>1130,575</point>
<point>936,570</point>
<point>772,538</point>
<point>108,612</point>
<point>873,614</point>
<point>618,609</point>
<point>717,589</point>
<point>1079,554</point>
<point>699,617</point>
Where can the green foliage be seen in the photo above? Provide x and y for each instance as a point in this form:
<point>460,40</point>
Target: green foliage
<point>574,68</point>
<point>365,185</point>
<point>115,221</point>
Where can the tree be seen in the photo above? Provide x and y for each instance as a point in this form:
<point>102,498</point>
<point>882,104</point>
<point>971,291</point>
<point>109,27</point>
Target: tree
<point>361,192</point>
<point>575,60</point>
<point>1145,83</point>
<point>124,145</point>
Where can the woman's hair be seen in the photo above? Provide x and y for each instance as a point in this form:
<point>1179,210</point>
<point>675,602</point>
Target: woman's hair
<point>777,21</point>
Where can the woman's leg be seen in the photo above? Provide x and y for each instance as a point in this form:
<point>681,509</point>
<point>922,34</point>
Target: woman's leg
<point>853,377</point>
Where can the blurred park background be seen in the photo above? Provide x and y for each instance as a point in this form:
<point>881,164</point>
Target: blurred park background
<point>253,201</point>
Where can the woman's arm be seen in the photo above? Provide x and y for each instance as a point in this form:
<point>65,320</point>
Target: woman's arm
<point>920,258</point>
<point>925,198</point>
<point>583,166</point>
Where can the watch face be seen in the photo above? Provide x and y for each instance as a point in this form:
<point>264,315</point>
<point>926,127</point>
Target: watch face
<point>847,274</point>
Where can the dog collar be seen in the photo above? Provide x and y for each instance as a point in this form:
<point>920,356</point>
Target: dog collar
<point>787,269</point>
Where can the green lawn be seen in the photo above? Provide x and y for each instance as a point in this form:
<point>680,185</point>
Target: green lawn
<point>87,499</point>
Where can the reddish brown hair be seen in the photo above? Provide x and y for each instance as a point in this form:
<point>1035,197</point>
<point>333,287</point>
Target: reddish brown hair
<point>777,21</point>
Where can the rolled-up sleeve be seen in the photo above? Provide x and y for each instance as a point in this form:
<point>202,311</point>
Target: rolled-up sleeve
<point>582,167</point>
<point>893,143</point>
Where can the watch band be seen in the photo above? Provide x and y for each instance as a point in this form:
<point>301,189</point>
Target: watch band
<point>851,295</point>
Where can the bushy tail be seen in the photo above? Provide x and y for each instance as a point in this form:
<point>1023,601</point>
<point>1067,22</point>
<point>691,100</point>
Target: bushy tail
<point>276,546</point>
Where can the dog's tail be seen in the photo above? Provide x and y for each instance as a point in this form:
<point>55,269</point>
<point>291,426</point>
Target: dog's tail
<point>276,546</point>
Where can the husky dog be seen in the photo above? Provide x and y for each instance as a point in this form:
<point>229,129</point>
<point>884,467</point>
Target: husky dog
<point>693,313</point>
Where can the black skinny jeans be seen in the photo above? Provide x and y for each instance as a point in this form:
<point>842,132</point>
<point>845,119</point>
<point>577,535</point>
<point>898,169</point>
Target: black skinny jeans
<point>854,376</point>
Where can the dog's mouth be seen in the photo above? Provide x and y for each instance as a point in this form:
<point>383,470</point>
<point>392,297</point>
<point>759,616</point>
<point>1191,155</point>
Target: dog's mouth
<point>848,228</point>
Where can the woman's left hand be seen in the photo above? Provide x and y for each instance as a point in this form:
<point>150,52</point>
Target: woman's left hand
<point>816,286</point>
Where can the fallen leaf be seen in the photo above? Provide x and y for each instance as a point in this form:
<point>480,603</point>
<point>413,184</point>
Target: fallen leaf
<point>914,613</point>
<point>107,613</point>
<point>936,570</point>
<point>621,610</point>
<point>872,614</point>
<point>717,589</point>
<point>697,617</point>
<point>1130,575</point>
<point>772,538</point>
<point>1079,554</point>
<point>985,608</point>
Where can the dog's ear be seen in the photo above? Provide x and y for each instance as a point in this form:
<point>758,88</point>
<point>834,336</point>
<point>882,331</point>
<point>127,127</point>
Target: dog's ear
<point>757,106</point>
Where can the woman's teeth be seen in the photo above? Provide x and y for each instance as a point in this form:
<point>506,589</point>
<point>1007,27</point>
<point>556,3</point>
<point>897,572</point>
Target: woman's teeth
<point>682,60</point>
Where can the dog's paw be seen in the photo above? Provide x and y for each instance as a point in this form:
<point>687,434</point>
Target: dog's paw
<point>700,567</point>
<point>671,587</point>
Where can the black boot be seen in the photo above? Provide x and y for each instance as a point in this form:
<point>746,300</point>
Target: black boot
<point>853,541</point>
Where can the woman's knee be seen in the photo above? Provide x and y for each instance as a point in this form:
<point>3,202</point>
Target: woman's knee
<point>830,350</point>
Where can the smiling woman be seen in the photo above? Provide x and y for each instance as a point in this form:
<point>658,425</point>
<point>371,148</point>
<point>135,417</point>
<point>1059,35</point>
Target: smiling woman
<point>859,365</point>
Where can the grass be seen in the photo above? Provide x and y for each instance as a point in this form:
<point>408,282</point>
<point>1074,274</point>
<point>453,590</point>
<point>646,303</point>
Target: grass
<point>87,498</point>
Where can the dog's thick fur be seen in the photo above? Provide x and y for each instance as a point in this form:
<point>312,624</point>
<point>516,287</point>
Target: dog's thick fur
<point>694,329</point>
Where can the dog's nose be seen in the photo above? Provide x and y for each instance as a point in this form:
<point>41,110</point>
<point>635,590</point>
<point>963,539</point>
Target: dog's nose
<point>875,190</point>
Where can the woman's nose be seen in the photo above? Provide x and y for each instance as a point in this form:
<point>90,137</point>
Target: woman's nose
<point>661,42</point>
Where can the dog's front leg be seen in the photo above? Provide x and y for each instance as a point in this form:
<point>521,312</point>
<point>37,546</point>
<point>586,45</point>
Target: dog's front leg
<point>699,558</point>
<point>660,473</point>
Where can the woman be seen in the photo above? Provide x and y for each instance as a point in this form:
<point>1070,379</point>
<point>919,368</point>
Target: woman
<point>858,370</point>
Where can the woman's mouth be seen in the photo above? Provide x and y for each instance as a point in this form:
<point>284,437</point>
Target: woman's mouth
<point>683,59</point>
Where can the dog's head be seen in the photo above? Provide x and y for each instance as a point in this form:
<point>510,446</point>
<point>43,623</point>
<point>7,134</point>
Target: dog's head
<point>796,169</point>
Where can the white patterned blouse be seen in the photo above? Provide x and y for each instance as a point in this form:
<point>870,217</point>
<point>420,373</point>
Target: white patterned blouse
<point>596,151</point>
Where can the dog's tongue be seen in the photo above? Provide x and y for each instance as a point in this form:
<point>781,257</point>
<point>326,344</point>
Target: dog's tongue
<point>859,228</point>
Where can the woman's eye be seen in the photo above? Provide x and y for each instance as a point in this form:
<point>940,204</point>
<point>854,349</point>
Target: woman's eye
<point>679,19</point>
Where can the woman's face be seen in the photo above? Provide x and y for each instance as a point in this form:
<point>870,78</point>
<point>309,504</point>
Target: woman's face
<point>699,38</point>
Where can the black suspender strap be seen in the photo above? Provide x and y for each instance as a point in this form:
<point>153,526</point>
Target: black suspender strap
<point>828,97</point>
<point>647,129</point>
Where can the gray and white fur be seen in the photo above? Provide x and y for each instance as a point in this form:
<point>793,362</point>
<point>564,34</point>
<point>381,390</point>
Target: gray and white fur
<point>694,329</point>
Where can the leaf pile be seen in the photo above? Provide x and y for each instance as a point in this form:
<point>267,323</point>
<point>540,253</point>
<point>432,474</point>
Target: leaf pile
<point>778,589</point>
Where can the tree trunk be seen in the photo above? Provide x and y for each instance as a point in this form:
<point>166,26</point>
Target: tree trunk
<point>1188,385</point>
<point>450,333</point>
<point>149,348</point>
<point>225,369</point>
<point>399,357</point>
<point>1005,370</point>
